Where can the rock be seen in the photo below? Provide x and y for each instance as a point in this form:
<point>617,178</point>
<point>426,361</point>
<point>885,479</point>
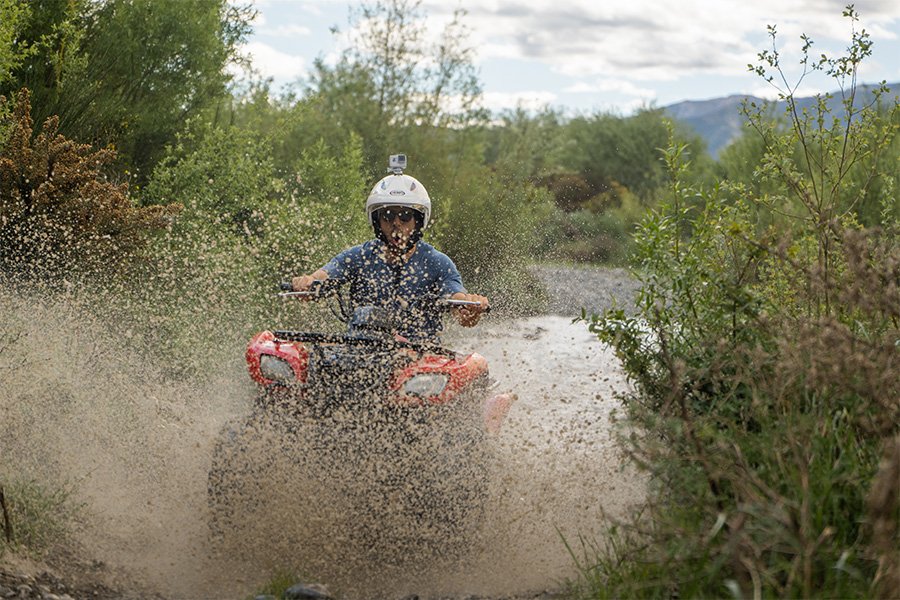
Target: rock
<point>304,591</point>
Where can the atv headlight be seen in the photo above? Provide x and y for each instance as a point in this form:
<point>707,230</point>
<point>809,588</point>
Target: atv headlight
<point>426,385</point>
<point>276,369</point>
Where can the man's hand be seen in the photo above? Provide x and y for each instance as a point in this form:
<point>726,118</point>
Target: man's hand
<point>304,282</point>
<point>468,316</point>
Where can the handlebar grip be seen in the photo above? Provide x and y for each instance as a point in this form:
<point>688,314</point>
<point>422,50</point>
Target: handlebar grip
<point>317,289</point>
<point>450,303</point>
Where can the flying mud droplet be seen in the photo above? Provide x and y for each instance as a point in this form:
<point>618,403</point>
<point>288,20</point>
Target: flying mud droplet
<point>86,407</point>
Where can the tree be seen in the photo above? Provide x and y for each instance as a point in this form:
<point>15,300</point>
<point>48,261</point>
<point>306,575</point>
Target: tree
<point>245,223</point>
<point>12,52</point>
<point>608,148</point>
<point>532,145</point>
<point>128,72</point>
<point>393,88</point>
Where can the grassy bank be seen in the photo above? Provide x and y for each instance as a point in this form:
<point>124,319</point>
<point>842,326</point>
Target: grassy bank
<point>766,361</point>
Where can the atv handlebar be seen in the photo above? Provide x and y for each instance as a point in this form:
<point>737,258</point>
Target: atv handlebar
<point>451,303</point>
<point>320,288</point>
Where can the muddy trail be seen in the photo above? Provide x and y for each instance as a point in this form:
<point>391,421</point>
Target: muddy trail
<point>132,449</point>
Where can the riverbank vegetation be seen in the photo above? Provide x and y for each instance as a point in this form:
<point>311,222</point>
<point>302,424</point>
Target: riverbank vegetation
<point>164,193</point>
<point>765,358</point>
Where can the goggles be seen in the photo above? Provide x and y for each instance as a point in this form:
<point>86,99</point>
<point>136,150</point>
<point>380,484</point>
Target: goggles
<point>387,215</point>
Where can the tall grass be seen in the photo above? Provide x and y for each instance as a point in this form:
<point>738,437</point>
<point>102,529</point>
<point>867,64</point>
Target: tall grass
<point>34,516</point>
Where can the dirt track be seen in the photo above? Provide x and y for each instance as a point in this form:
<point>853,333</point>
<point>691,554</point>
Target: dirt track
<point>142,470</point>
<point>594,289</point>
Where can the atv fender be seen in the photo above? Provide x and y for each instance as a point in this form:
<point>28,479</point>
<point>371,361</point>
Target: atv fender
<point>495,409</point>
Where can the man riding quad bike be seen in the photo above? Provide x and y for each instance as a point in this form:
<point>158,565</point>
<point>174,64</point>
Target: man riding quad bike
<point>381,424</point>
<point>397,270</point>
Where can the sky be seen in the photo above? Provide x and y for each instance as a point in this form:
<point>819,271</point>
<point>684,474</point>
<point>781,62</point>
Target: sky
<point>587,56</point>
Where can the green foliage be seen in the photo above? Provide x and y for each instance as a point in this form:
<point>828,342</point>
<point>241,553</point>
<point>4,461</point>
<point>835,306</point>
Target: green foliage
<point>127,72</point>
<point>606,148</point>
<point>232,193</point>
<point>39,516</point>
<point>597,228</point>
<point>764,358</point>
<point>604,172</point>
<point>53,33</point>
<point>804,146</point>
<point>331,194</point>
<point>223,175</point>
<point>58,214</point>
<point>288,123</point>
<point>244,228</point>
<point>12,52</point>
<point>497,217</point>
<point>531,146</point>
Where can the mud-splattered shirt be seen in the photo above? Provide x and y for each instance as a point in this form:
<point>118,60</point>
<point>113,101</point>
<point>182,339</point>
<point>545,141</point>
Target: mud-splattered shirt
<point>409,289</point>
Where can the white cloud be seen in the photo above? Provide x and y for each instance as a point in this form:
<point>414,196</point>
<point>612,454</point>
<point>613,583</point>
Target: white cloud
<point>311,8</point>
<point>274,63</point>
<point>601,51</point>
<point>606,85</point>
<point>528,100</point>
<point>654,39</point>
<point>287,31</point>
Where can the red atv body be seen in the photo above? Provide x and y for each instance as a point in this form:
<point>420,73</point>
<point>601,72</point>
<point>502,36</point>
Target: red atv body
<point>423,375</point>
<point>393,431</point>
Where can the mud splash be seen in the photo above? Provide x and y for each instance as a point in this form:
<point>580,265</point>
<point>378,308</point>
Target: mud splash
<point>560,474</point>
<point>83,408</point>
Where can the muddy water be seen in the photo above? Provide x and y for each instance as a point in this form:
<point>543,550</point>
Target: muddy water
<point>560,472</point>
<point>135,447</point>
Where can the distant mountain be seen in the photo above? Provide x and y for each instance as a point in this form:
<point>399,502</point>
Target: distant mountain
<point>719,121</point>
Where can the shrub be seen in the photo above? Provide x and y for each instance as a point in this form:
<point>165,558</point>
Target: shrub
<point>244,228</point>
<point>570,190</point>
<point>37,516</point>
<point>492,231</point>
<point>766,372</point>
<point>59,214</point>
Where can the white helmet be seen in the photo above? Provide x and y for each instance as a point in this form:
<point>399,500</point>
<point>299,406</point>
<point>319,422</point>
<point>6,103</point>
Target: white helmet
<point>399,190</point>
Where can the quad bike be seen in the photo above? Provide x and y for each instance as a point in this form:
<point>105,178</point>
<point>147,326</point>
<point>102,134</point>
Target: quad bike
<point>386,439</point>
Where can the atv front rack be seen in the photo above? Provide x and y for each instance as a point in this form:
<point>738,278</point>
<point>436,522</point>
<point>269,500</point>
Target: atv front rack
<point>341,338</point>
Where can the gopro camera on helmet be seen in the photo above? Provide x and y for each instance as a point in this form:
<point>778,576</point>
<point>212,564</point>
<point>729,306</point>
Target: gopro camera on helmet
<point>397,163</point>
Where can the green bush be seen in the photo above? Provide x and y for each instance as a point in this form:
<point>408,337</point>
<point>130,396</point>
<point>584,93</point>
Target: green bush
<point>491,232</point>
<point>244,228</point>
<point>600,231</point>
<point>766,375</point>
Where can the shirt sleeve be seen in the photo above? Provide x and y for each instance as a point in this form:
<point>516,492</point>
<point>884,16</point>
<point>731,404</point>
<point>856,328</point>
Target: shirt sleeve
<point>341,266</point>
<point>450,279</point>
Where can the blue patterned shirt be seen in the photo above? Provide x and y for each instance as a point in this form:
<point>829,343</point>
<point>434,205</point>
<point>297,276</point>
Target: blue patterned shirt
<point>408,289</point>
